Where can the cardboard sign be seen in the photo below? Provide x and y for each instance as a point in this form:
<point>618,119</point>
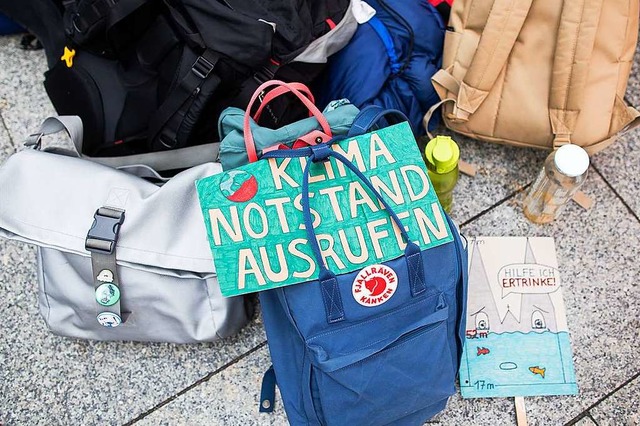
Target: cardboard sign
<point>516,340</point>
<point>253,214</point>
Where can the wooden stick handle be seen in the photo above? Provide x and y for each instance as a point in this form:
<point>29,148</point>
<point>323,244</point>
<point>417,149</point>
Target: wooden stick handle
<point>521,411</point>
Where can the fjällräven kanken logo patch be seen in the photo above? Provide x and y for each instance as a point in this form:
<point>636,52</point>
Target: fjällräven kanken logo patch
<point>374,285</point>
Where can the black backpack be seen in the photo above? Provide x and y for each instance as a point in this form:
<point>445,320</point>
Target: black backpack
<point>151,75</point>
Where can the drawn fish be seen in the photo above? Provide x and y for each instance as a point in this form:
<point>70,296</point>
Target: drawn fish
<point>538,370</point>
<point>483,351</point>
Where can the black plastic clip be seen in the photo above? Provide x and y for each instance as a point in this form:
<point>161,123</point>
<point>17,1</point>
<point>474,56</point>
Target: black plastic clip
<point>103,234</point>
<point>202,67</point>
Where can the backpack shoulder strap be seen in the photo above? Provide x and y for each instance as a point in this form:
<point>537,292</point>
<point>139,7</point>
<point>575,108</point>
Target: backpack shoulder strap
<point>165,126</point>
<point>499,35</point>
<point>575,39</point>
<point>498,38</point>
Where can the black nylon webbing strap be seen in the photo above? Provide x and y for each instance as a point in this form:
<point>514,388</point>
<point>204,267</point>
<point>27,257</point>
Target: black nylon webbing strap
<point>101,242</point>
<point>89,14</point>
<point>164,126</point>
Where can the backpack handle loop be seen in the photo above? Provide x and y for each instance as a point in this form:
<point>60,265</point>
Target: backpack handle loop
<point>279,91</point>
<point>248,136</point>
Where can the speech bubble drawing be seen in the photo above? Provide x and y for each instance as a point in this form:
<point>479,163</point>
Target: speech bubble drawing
<point>528,278</point>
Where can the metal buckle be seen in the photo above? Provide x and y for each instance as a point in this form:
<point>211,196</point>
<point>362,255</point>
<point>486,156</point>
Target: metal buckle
<point>103,234</point>
<point>202,67</point>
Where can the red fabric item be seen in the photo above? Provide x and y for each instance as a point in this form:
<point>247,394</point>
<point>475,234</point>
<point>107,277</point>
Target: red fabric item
<point>437,2</point>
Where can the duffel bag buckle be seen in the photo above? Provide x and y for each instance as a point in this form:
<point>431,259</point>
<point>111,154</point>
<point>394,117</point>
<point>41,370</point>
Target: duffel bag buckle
<point>103,234</point>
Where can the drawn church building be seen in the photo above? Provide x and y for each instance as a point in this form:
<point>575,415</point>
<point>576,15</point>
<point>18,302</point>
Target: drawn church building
<point>537,312</point>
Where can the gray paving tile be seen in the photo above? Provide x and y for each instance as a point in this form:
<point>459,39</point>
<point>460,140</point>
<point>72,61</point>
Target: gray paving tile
<point>23,100</point>
<point>616,164</point>
<point>621,408</point>
<point>230,398</point>
<point>45,378</point>
<point>585,421</point>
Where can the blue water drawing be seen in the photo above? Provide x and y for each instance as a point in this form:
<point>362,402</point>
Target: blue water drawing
<point>517,364</point>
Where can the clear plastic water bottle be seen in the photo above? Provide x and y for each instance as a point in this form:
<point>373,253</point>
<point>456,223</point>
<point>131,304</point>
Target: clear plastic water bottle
<point>564,171</point>
<point>441,156</point>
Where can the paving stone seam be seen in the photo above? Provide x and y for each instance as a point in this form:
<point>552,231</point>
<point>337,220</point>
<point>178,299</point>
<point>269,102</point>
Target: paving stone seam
<point>4,124</point>
<point>195,384</point>
<point>587,411</point>
<point>633,213</point>
<point>582,416</point>
<point>592,418</point>
<point>497,204</point>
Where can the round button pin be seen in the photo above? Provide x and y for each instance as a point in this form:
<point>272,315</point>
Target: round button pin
<point>109,319</point>
<point>107,294</point>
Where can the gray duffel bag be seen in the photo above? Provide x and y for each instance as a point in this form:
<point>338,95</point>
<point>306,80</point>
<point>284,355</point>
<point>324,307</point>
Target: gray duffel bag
<point>119,257</point>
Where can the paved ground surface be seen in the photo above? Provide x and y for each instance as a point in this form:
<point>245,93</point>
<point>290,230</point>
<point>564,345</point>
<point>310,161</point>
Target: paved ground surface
<point>52,380</point>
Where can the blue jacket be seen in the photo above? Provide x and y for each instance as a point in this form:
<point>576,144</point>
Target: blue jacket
<point>394,73</point>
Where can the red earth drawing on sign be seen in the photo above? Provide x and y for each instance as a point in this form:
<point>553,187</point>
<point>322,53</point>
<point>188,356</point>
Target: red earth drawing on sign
<point>246,192</point>
<point>239,186</point>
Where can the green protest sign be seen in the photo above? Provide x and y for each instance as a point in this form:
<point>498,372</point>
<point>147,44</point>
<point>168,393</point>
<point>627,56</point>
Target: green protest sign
<point>253,214</point>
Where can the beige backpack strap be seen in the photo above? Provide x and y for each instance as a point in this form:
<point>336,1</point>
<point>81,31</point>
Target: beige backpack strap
<point>575,39</point>
<point>429,114</point>
<point>498,38</point>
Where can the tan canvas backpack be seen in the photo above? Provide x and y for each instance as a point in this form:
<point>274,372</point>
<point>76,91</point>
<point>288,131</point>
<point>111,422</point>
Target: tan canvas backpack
<point>539,73</point>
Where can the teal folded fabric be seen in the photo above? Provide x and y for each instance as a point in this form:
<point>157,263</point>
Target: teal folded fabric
<point>339,114</point>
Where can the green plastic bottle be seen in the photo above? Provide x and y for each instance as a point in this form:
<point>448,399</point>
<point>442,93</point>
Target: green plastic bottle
<point>441,156</point>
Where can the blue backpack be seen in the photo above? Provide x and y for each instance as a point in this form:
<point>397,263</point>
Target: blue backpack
<point>396,53</point>
<point>337,362</point>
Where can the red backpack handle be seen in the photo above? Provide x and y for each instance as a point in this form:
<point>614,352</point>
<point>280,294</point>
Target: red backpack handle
<point>248,136</point>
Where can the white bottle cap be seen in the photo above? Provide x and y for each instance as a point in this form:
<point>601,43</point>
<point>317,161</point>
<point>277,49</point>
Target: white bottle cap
<point>571,160</point>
